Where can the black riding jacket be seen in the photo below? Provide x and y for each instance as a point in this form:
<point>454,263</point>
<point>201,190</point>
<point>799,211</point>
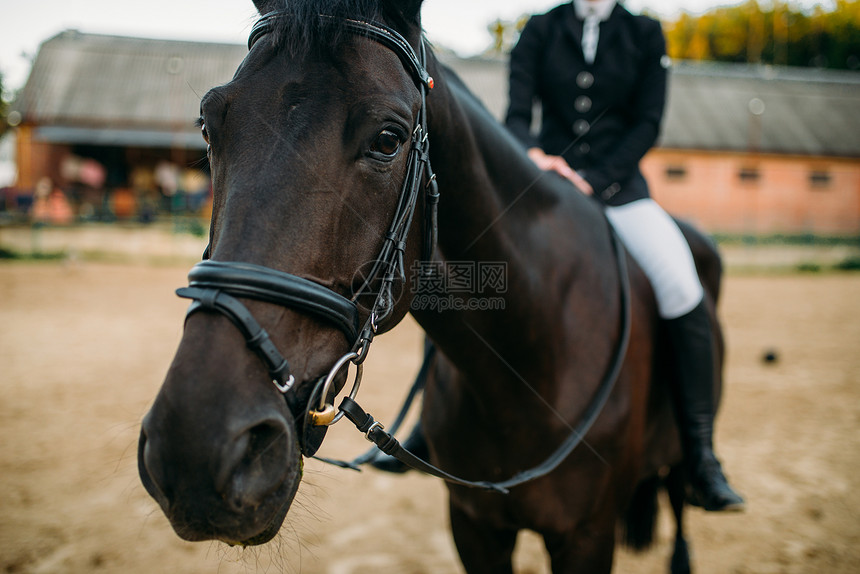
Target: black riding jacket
<point>601,117</point>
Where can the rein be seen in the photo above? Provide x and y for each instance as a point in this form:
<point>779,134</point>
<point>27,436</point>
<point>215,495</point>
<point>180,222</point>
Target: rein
<point>215,285</point>
<point>384,441</point>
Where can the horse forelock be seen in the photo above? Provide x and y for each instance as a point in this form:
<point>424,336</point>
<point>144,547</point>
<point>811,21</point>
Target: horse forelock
<point>320,25</point>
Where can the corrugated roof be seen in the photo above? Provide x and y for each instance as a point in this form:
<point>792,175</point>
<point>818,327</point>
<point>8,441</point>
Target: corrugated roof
<point>770,109</point>
<point>117,83</point>
<point>711,106</point>
<point>96,80</point>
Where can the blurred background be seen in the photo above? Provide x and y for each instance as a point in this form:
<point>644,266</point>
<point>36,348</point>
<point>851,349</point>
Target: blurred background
<point>760,141</point>
<point>105,202</point>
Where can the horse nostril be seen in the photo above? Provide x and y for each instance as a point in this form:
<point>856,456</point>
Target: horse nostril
<point>255,465</point>
<point>263,447</point>
<point>150,470</point>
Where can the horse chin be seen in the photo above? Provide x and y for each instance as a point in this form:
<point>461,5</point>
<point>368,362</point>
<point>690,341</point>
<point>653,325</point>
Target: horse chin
<point>271,528</point>
<point>258,470</point>
<point>252,528</point>
<point>270,531</point>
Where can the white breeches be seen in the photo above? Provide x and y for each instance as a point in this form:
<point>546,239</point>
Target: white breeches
<point>658,246</point>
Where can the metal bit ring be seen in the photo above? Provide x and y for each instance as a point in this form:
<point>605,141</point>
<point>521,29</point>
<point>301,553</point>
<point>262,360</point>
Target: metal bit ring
<point>318,415</point>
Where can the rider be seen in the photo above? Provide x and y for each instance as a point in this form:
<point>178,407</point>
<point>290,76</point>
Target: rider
<point>599,73</point>
<point>602,93</point>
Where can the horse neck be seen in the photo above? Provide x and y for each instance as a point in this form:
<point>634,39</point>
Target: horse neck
<point>497,207</point>
<point>489,186</point>
<point>491,189</point>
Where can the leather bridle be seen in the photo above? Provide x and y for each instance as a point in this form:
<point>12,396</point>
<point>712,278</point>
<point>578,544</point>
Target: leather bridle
<point>215,285</point>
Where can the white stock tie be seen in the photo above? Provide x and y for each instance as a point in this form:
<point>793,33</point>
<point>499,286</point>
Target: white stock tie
<point>590,35</point>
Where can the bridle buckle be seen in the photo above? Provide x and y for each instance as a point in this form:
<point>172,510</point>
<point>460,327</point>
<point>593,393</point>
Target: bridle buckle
<point>374,426</point>
<point>284,387</point>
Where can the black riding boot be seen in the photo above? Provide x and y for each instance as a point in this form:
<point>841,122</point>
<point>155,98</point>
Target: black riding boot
<point>414,443</point>
<point>692,346</point>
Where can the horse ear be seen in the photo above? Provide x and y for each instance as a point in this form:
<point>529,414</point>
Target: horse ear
<point>266,6</point>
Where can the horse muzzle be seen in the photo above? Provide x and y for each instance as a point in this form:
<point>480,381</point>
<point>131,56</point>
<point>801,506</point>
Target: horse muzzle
<point>234,482</point>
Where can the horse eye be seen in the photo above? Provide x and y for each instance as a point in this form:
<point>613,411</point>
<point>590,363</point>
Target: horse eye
<point>204,132</point>
<point>386,143</point>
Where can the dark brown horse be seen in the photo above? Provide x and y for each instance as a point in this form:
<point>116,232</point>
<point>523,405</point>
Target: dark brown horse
<point>319,166</point>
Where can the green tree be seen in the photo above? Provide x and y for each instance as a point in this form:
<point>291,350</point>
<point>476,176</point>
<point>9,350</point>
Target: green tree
<point>779,34</point>
<point>4,109</point>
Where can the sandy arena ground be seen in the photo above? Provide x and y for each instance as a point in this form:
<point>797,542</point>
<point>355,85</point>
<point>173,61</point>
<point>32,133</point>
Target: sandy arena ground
<point>84,347</point>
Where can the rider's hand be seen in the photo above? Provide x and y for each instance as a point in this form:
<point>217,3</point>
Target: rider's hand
<point>560,166</point>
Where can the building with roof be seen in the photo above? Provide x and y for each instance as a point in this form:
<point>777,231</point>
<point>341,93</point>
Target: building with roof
<point>760,150</point>
<point>110,119</point>
<point>744,149</point>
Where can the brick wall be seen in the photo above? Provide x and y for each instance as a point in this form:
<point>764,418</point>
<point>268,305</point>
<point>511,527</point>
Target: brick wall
<point>757,193</point>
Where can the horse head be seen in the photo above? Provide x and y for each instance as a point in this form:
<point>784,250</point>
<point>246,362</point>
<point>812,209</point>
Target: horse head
<point>310,144</point>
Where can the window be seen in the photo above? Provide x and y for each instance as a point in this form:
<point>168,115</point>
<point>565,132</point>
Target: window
<point>819,179</point>
<point>676,172</point>
<point>749,174</point>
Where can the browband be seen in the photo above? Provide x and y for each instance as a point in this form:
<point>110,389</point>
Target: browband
<point>374,30</point>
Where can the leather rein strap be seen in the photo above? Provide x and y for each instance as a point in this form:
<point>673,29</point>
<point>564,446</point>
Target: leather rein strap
<point>214,286</point>
<point>384,441</point>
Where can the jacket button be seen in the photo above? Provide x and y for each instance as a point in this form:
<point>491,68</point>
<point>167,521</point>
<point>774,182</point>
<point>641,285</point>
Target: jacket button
<point>611,191</point>
<point>584,80</point>
<point>583,148</point>
<point>581,127</point>
<point>582,104</point>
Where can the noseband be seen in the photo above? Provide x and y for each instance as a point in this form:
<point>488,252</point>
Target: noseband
<point>215,285</point>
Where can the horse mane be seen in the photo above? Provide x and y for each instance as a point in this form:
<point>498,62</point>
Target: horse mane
<point>302,30</point>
